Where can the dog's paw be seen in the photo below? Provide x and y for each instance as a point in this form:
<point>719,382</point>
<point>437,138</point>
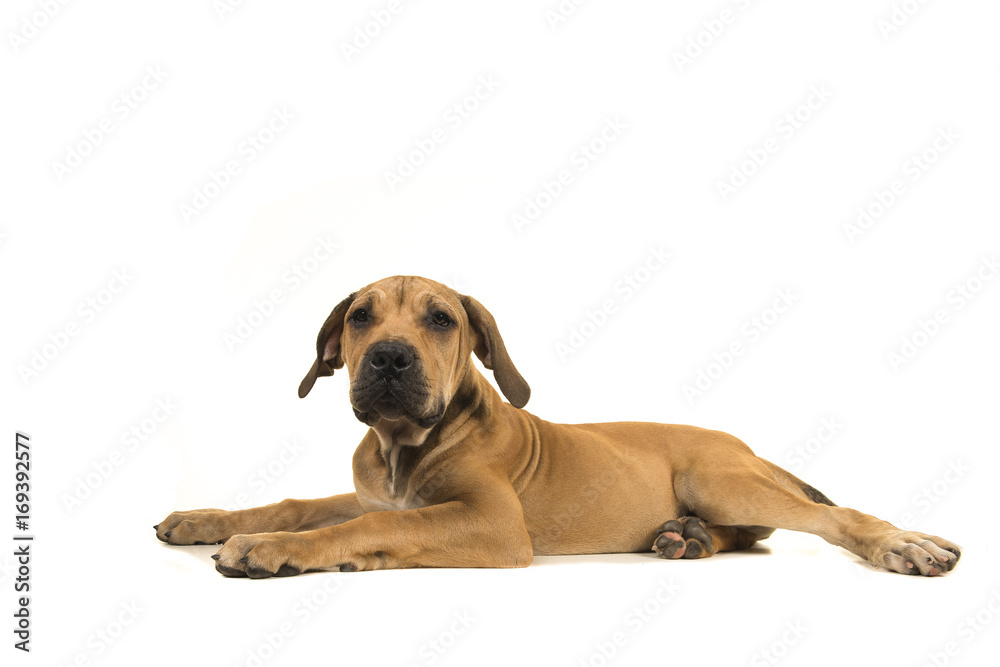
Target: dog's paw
<point>915,553</point>
<point>686,537</point>
<point>259,556</point>
<point>208,526</point>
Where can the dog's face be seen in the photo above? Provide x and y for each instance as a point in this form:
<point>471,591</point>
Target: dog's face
<point>406,343</point>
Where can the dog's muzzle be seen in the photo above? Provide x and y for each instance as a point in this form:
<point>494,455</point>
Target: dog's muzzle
<point>391,385</point>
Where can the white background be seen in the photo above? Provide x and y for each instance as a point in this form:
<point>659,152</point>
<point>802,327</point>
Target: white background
<point>685,128</point>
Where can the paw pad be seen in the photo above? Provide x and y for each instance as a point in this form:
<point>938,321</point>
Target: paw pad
<point>686,537</point>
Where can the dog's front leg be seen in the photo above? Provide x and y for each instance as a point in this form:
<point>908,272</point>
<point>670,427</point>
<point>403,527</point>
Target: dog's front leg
<point>451,534</point>
<point>210,526</point>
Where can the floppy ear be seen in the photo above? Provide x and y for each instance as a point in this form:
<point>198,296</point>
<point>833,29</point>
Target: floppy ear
<point>328,355</point>
<point>491,351</point>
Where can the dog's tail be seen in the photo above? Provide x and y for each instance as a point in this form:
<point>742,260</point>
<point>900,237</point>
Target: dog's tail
<point>789,479</point>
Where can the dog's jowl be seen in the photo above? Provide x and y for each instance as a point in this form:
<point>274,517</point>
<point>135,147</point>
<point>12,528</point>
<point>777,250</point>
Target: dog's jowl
<point>451,475</point>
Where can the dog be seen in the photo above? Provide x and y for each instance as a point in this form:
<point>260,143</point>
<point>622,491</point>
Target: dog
<point>449,475</point>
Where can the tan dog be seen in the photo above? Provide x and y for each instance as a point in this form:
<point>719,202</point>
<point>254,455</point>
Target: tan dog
<point>451,476</point>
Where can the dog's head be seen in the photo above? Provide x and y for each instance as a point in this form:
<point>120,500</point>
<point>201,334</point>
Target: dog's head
<point>407,343</point>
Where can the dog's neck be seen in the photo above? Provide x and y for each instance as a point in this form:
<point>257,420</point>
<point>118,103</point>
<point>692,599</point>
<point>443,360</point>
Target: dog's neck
<point>403,444</point>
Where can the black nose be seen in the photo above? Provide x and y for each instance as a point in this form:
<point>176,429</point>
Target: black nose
<point>391,359</point>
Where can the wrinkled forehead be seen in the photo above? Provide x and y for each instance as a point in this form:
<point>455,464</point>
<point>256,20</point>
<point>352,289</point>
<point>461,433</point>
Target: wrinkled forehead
<point>409,294</point>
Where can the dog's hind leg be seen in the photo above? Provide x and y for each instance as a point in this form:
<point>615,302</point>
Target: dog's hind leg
<point>729,486</point>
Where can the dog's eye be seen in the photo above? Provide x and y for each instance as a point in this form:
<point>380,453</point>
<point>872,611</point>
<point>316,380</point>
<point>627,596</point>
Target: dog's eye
<point>359,315</point>
<point>441,319</point>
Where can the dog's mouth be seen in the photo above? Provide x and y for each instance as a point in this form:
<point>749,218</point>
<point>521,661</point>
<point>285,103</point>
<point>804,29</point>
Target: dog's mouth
<point>391,400</point>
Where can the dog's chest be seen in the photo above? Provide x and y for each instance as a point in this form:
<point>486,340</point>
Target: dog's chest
<point>390,487</point>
